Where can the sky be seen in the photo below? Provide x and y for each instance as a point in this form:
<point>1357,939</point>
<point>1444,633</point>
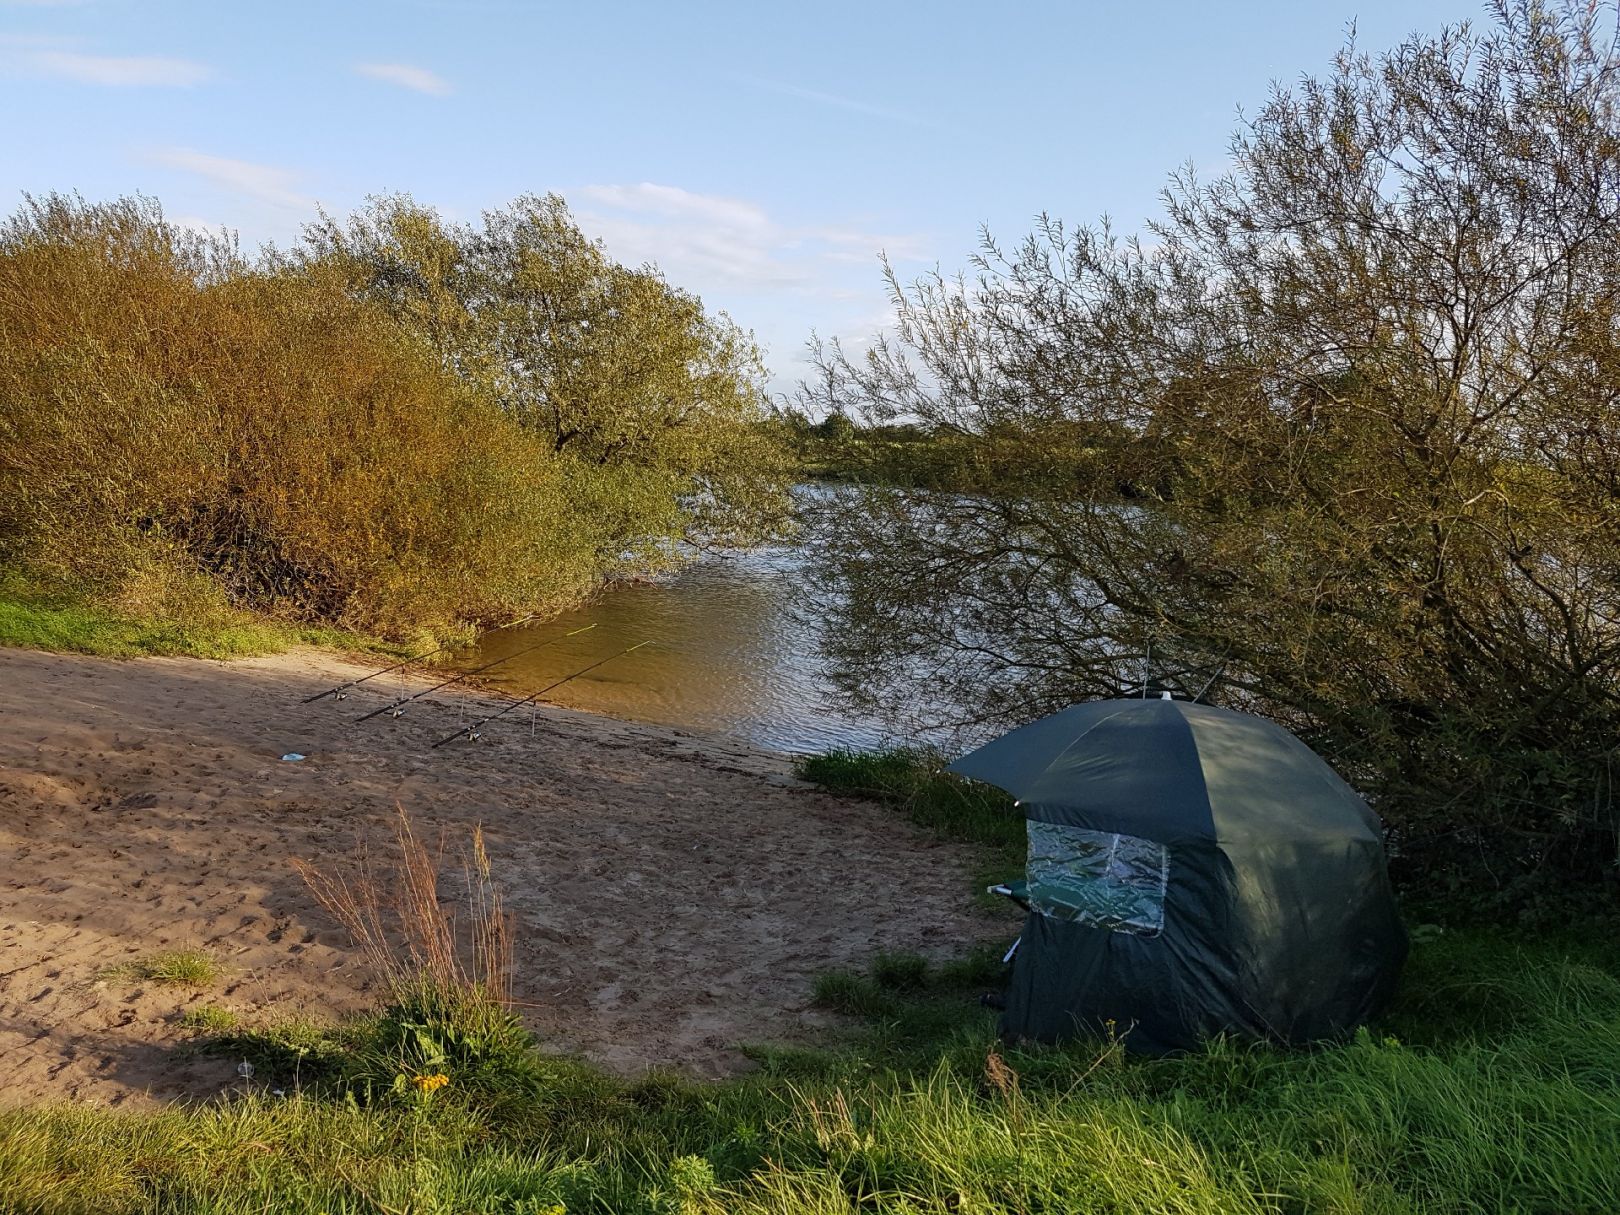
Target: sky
<point>762,154</point>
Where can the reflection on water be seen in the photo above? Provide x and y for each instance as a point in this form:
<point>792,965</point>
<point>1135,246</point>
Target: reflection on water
<point>728,654</point>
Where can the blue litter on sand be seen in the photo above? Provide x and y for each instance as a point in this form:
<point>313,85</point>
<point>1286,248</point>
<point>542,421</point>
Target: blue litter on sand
<point>292,757</point>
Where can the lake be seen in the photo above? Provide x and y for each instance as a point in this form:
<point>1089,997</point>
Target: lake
<point>727,654</point>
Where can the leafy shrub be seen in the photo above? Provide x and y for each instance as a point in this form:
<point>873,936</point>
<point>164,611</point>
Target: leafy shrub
<point>188,432</point>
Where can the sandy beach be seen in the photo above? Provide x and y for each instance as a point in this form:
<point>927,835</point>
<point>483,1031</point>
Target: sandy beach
<point>672,896</point>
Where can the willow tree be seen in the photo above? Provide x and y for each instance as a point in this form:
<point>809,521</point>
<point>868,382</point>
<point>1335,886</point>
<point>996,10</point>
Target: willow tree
<point>1355,401</point>
<point>185,432</point>
<point>656,405</point>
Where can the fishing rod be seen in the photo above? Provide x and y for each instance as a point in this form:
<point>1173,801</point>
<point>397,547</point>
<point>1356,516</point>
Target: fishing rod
<point>1219,671</point>
<point>398,706</point>
<point>341,692</point>
<point>471,732</point>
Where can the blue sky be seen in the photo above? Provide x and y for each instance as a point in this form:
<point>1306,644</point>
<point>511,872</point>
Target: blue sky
<point>761,153</point>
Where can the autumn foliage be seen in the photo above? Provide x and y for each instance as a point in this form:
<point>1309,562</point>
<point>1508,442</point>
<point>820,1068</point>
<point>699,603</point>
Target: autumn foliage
<point>184,428</point>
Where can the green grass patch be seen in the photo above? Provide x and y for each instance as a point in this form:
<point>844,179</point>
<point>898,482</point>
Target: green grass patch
<point>208,1019</point>
<point>916,781</point>
<point>852,994</point>
<point>39,615</point>
<point>919,1109</point>
<point>901,971</point>
<point>172,968</point>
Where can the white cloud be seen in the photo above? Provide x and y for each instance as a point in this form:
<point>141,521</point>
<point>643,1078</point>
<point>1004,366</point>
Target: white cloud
<point>263,183</point>
<point>674,202</point>
<point>203,227</point>
<point>121,70</point>
<point>407,76</point>
<point>780,279</point>
<point>834,100</point>
<point>712,238</point>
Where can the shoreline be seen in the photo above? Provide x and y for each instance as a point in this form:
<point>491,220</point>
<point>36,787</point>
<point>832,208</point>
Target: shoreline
<point>673,894</point>
<point>487,692</point>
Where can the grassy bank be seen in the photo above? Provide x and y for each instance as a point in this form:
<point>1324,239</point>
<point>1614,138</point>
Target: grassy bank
<point>1490,1086</point>
<point>39,616</point>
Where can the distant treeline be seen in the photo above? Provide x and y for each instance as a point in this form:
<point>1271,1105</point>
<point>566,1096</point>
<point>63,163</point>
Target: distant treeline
<point>1072,456</point>
<point>397,424</point>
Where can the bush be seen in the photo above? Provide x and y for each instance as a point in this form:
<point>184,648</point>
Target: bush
<point>187,432</point>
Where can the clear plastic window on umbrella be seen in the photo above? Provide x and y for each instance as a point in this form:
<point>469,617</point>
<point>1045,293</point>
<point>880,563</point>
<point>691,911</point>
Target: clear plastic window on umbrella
<point>1098,878</point>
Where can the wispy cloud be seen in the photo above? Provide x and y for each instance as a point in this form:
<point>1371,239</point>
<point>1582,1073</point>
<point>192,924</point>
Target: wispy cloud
<point>202,227</point>
<point>407,76</point>
<point>121,70</point>
<point>787,278</point>
<point>728,241</point>
<point>263,183</point>
<point>675,203</point>
<point>852,104</point>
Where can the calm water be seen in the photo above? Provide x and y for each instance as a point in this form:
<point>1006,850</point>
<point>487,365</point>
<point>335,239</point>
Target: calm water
<point>727,654</point>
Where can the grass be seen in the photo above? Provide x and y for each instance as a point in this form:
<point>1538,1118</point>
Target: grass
<point>39,615</point>
<point>1491,1087</point>
<point>913,780</point>
<point>172,968</point>
<point>209,1019</point>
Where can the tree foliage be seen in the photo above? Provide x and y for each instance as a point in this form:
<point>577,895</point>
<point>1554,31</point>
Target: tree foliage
<point>1369,467</point>
<point>182,425</point>
<point>645,394</point>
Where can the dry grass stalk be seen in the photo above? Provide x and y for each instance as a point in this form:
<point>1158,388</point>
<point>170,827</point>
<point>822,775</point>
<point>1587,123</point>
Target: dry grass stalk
<point>1000,1076</point>
<point>407,932</point>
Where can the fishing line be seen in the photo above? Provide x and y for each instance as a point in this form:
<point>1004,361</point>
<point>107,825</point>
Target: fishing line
<point>470,733</point>
<point>398,706</point>
<point>341,692</point>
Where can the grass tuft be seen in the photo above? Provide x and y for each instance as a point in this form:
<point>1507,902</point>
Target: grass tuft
<point>916,781</point>
<point>900,971</point>
<point>173,968</point>
<point>408,931</point>
<point>208,1019</point>
<point>853,995</point>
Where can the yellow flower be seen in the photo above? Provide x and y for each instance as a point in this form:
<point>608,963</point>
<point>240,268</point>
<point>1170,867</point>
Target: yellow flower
<point>427,1084</point>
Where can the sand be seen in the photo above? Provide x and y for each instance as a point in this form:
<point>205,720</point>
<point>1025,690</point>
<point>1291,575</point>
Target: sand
<point>672,896</point>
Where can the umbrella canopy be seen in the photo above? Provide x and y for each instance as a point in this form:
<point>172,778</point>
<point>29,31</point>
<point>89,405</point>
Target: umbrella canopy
<point>1191,871</point>
<point>1170,770</point>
